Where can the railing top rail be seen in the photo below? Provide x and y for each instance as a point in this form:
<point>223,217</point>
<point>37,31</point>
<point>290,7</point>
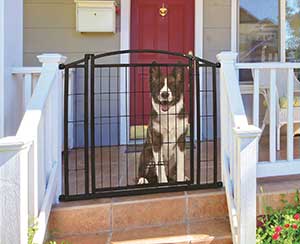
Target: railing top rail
<point>235,103</point>
<point>33,113</point>
<point>26,70</point>
<point>268,65</point>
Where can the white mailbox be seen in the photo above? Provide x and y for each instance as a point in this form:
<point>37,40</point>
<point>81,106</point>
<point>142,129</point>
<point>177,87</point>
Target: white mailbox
<point>95,16</point>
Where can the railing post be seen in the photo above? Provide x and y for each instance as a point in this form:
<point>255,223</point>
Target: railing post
<point>50,63</point>
<point>239,147</point>
<point>245,148</point>
<point>227,60</point>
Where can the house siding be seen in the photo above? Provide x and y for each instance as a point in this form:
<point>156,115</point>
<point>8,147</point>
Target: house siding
<point>50,26</point>
<point>216,38</point>
<point>216,27</point>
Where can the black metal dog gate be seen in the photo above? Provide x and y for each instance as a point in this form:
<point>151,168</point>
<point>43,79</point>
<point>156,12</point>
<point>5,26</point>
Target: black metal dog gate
<point>143,125</point>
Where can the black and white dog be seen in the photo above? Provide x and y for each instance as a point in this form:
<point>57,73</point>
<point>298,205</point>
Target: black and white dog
<point>162,158</point>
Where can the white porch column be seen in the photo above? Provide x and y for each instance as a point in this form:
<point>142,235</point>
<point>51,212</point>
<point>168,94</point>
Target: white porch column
<point>11,54</point>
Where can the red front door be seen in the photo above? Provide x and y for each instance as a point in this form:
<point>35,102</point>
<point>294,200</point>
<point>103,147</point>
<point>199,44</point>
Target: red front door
<point>150,30</point>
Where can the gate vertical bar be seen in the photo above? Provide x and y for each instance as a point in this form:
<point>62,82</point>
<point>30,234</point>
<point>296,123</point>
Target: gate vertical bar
<point>92,122</point>
<point>198,123</point>
<point>191,81</point>
<point>86,122</point>
<point>66,133</point>
<point>215,124</point>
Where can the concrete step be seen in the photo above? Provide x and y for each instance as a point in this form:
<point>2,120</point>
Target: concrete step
<point>215,231</point>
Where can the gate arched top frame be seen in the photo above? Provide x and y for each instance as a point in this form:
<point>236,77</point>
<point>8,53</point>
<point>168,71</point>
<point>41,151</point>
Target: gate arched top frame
<point>188,57</point>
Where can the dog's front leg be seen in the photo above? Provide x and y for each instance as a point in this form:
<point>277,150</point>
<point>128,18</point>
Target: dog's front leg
<point>180,164</point>
<point>160,169</point>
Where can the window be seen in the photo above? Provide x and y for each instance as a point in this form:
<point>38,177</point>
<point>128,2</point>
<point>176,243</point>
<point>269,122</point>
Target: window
<point>269,30</point>
<point>292,25</point>
<point>259,31</point>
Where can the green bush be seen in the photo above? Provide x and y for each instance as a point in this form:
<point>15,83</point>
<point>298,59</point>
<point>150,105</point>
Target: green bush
<point>33,228</point>
<point>280,226</point>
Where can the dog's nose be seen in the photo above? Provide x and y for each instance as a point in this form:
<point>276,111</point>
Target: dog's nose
<point>165,95</point>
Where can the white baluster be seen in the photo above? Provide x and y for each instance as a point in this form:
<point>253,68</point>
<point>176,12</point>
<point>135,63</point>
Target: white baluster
<point>35,78</point>
<point>272,135</point>
<point>27,89</point>
<point>256,98</point>
<point>290,125</point>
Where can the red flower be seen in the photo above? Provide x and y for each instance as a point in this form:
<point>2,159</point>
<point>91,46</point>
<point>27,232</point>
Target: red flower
<point>276,236</point>
<point>297,216</point>
<point>287,225</point>
<point>118,10</point>
<point>278,228</point>
<point>295,227</point>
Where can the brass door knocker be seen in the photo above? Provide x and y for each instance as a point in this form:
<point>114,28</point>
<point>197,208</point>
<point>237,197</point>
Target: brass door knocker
<point>163,11</point>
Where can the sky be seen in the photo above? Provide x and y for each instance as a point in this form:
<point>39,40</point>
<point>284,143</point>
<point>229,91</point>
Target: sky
<point>262,9</point>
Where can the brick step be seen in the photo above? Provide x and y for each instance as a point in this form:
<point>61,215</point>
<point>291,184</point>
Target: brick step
<point>94,219</point>
<point>215,231</point>
<point>117,214</point>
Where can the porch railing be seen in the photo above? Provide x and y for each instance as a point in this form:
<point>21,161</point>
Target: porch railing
<point>239,157</point>
<point>278,83</point>
<point>30,162</point>
<point>28,77</point>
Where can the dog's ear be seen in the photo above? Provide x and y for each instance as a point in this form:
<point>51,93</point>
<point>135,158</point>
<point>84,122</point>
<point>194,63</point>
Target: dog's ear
<point>154,71</point>
<point>178,72</point>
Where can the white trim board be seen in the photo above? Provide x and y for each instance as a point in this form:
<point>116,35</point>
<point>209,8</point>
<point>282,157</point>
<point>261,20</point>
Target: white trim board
<point>234,25</point>
<point>2,70</point>
<point>125,44</point>
<point>278,168</point>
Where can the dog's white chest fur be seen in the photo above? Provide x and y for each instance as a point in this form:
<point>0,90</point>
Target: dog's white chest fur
<point>171,127</point>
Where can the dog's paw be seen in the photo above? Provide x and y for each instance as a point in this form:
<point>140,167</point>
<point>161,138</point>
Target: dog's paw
<point>186,178</point>
<point>142,180</point>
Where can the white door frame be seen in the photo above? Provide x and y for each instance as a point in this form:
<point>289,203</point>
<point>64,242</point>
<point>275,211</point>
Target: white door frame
<point>125,45</point>
<point>2,54</point>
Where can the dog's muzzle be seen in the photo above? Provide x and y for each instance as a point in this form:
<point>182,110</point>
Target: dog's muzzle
<point>164,106</point>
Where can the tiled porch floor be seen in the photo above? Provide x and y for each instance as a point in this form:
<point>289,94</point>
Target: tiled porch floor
<point>117,166</point>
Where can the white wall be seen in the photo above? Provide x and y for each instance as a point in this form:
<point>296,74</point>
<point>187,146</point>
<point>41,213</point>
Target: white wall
<point>11,55</point>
